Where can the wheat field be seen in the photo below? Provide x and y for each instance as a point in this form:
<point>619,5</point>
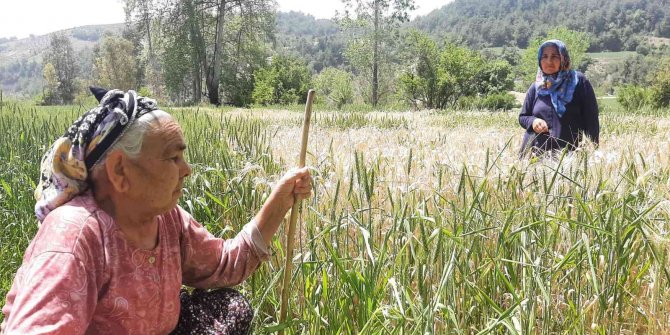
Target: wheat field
<point>420,222</point>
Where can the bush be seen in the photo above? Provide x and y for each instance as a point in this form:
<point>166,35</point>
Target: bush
<point>468,103</point>
<point>285,81</point>
<point>494,101</point>
<point>502,100</point>
<point>659,95</point>
<point>633,96</point>
<point>660,88</point>
<point>336,86</point>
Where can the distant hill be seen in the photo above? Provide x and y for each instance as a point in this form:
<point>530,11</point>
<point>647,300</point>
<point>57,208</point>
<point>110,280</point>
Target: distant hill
<point>21,59</point>
<point>319,41</point>
<point>615,25</point>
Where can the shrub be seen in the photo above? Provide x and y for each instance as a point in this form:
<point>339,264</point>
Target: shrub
<point>633,96</point>
<point>284,81</point>
<point>494,101</point>
<point>501,100</point>
<point>660,88</point>
<point>336,86</point>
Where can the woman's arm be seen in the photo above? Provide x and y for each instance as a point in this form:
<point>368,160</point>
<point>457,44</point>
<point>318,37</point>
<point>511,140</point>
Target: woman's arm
<point>208,261</point>
<point>526,117</point>
<point>590,113</point>
<point>53,294</point>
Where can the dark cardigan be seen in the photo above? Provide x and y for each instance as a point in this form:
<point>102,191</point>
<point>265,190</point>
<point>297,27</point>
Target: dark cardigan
<point>581,116</point>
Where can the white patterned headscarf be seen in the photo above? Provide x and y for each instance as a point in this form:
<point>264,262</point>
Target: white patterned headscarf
<point>65,167</point>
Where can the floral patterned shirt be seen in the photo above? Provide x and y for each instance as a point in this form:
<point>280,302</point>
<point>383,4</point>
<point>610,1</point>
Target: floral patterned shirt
<point>80,275</point>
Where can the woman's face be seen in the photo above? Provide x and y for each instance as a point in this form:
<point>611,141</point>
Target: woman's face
<point>550,60</point>
<point>157,176</point>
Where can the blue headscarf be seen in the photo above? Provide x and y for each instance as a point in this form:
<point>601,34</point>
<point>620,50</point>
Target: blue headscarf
<point>562,87</point>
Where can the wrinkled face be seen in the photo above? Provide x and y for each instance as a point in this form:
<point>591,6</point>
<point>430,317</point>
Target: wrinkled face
<point>157,176</point>
<point>550,60</point>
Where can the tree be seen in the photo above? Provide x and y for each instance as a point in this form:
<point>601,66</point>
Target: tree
<point>614,24</point>
<point>419,81</point>
<point>335,85</point>
<point>62,57</point>
<point>440,78</point>
<point>144,13</point>
<point>457,72</point>
<point>114,64</point>
<point>284,81</point>
<point>373,23</point>
<point>49,96</point>
<point>241,59</point>
<point>660,86</point>
<point>255,14</point>
<point>214,33</point>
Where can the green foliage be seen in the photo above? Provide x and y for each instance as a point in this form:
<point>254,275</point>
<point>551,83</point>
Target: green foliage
<point>495,77</point>
<point>373,25</point>
<point>633,97</point>
<point>500,100</point>
<point>177,65</point>
<point>22,77</point>
<point>576,42</point>
<point>492,102</point>
<point>336,86</point>
<point>285,80</point>
<point>436,78</point>
<point>618,69</point>
<point>62,73</point>
<point>615,25</point>
<point>660,86</point>
<point>114,64</point>
<point>656,94</point>
<point>419,81</point>
<point>49,97</point>
<point>457,70</point>
<point>239,66</point>
<point>319,41</point>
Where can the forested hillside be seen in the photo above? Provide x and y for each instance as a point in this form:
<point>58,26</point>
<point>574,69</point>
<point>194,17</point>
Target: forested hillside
<point>319,41</point>
<point>22,60</point>
<point>468,53</point>
<point>614,25</point>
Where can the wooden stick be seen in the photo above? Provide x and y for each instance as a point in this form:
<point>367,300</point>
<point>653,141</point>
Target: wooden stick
<point>294,213</point>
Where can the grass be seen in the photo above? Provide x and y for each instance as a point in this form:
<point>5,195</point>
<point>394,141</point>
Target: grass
<point>420,223</point>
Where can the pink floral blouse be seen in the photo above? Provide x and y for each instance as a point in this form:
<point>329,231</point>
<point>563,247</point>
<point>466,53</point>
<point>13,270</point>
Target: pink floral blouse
<point>80,275</point>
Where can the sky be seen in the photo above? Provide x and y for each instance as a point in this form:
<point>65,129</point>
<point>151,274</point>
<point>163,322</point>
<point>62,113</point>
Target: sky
<point>21,18</point>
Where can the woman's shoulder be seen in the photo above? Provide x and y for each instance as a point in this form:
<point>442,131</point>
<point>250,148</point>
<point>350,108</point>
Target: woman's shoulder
<point>581,77</point>
<point>69,227</point>
<point>532,91</point>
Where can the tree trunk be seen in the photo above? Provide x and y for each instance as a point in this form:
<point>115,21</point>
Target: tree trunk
<point>214,71</point>
<point>197,54</point>
<point>147,22</point>
<point>375,58</point>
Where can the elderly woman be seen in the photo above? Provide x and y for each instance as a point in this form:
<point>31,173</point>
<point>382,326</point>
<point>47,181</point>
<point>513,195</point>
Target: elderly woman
<point>560,106</point>
<point>113,248</point>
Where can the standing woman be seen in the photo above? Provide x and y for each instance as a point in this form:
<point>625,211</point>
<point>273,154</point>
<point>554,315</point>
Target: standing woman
<point>560,106</point>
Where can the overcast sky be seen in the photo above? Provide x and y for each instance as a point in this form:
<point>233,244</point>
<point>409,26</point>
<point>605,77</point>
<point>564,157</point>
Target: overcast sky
<point>21,18</point>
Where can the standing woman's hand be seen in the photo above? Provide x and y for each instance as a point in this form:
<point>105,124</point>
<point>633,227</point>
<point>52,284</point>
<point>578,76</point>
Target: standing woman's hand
<point>540,126</point>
